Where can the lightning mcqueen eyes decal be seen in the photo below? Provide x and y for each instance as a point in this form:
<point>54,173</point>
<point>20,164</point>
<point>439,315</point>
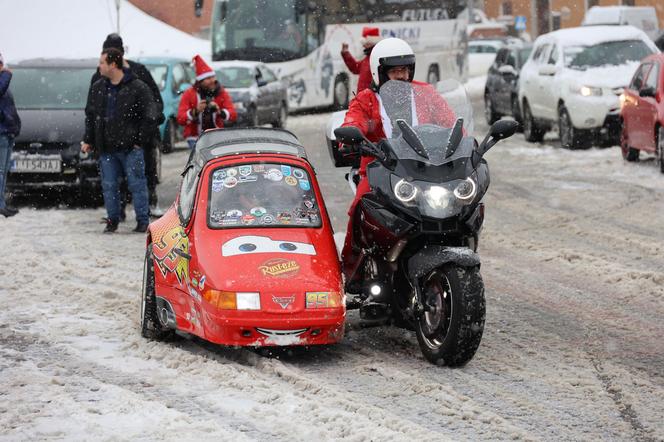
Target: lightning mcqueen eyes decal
<point>244,245</point>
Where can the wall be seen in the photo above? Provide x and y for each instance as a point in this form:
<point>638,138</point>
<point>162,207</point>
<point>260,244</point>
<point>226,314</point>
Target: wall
<point>575,10</point>
<point>179,13</point>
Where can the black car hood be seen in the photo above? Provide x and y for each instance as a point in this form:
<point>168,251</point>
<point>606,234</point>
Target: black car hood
<point>52,125</point>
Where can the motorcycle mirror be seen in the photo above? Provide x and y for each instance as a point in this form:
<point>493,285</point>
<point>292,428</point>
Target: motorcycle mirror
<point>350,135</point>
<point>499,131</point>
<point>502,129</point>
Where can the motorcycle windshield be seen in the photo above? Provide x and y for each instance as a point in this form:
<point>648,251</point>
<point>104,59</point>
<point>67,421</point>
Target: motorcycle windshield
<point>431,113</point>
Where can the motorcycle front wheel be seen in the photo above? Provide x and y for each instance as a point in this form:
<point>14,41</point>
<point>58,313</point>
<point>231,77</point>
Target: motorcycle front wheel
<point>450,329</point>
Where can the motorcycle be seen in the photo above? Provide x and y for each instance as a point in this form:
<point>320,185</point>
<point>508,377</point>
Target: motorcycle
<point>413,247</point>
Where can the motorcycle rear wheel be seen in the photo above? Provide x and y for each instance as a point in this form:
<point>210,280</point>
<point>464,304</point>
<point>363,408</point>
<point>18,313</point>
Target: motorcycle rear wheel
<point>450,330</point>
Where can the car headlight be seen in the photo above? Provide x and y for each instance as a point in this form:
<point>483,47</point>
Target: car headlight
<point>587,91</point>
<point>324,300</point>
<point>405,191</point>
<point>466,190</point>
<point>233,300</point>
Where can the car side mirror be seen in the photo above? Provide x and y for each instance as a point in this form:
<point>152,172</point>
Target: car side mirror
<point>548,69</point>
<point>647,92</point>
<point>350,135</point>
<point>507,69</point>
<point>261,82</point>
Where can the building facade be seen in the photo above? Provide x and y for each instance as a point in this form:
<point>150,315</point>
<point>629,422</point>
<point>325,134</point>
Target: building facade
<point>543,16</point>
<point>179,14</point>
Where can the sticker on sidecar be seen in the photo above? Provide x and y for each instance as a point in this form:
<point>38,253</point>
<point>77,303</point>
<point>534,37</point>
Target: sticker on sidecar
<point>243,245</point>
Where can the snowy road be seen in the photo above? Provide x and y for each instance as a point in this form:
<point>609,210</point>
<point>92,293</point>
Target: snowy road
<point>573,263</point>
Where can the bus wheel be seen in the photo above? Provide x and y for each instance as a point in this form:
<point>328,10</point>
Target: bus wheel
<point>340,93</point>
<point>433,76</point>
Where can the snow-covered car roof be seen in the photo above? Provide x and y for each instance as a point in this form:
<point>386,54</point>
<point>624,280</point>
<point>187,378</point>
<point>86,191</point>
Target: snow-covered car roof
<point>487,42</point>
<point>235,63</point>
<point>226,142</point>
<point>57,62</point>
<point>592,35</point>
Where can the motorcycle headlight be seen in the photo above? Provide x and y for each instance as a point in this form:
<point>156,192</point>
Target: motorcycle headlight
<point>405,191</point>
<point>466,190</point>
<point>438,197</point>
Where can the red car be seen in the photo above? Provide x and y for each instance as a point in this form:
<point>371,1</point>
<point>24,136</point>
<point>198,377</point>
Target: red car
<point>245,256</point>
<point>642,111</point>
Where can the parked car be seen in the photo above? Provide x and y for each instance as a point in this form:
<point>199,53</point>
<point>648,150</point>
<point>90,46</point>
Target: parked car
<point>481,54</point>
<point>501,93</point>
<point>50,96</point>
<point>642,17</point>
<point>245,255</point>
<point>258,95</point>
<point>643,111</point>
<point>173,76</point>
<point>573,79</point>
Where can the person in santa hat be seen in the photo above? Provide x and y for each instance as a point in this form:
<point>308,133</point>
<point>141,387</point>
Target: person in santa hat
<point>205,106</point>
<point>370,36</point>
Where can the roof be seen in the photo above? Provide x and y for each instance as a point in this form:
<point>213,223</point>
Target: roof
<point>236,141</point>
<point>591,35</point>
<point>57,62</point>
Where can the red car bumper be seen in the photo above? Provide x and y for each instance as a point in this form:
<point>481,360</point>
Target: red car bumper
<point>252,329</point>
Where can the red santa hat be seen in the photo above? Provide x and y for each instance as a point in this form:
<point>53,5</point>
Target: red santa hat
<point>370,35</point>
<point>202,69</point>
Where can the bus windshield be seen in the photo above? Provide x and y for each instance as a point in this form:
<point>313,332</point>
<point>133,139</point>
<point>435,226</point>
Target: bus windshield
<point>271,32</point>
<point>261,30</point>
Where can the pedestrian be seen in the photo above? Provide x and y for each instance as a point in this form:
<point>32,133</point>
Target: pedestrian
<point>370,36</point>
<point>10,126</point>
<point>150,151</point>
<point>120,116</point>
<point>205,106</point>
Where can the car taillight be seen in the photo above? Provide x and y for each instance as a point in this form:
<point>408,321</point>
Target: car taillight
<point>323,300</point>
<point>233,300</point>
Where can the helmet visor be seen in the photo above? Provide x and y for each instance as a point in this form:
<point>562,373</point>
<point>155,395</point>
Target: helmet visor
<point>397,60</point>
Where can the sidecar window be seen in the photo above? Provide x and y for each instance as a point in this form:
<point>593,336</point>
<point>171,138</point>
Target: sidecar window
<point>260,194</point>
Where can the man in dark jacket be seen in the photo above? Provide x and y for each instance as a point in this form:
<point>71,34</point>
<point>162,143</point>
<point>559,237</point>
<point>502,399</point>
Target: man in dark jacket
<point>142,73</point>
<point>10,126</point>
<point>120,116</point>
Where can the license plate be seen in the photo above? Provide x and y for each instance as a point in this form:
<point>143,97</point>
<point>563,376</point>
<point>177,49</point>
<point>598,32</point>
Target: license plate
<point>36,164</point>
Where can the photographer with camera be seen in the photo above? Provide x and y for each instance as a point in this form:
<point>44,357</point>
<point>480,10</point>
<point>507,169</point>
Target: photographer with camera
<point>205,106</point>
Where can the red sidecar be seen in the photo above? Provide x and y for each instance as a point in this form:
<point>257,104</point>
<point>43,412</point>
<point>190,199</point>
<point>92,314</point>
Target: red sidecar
<point>245,256</point>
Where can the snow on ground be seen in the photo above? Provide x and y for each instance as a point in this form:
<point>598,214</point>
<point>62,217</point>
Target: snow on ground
<point>573,266</point>
<point>77,29</point>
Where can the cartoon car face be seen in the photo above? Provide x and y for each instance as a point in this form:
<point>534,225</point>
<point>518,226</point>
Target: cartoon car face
<point>263,244</point>
<point>245,256</point>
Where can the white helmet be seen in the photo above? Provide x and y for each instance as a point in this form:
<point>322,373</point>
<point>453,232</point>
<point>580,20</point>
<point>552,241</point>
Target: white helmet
<point>388,53</point>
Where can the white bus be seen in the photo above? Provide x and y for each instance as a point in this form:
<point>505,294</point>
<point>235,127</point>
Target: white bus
<point>301,40</point>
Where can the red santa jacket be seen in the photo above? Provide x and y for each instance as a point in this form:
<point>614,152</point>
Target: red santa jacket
<point>361,67</point>
<point>188,118</point>
<point>364,113</point>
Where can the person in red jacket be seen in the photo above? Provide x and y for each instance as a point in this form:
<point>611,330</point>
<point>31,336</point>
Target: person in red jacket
<point>391,59</point>
<point>370,36</point>
<point>206,105</point>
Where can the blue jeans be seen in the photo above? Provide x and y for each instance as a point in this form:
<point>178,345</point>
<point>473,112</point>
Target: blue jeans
<point>6,146</point>
<point>130,163</point>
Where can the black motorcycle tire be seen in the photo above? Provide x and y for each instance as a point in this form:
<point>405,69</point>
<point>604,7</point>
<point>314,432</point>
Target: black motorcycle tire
<point>150,325</point>
<point>458,331</point>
